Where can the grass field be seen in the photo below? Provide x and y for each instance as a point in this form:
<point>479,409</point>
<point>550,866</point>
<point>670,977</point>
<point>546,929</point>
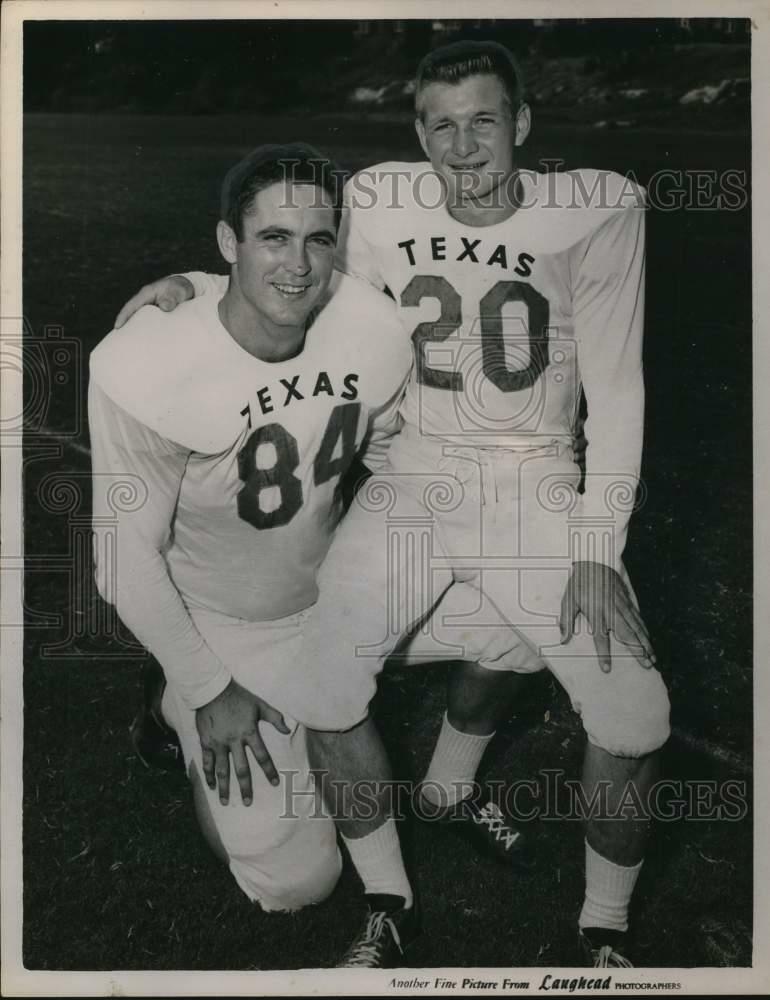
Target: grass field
<point>115,876</point>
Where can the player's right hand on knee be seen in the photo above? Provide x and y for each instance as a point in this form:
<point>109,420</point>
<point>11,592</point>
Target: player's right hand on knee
<point>166,293</point>
<point>226,726</point>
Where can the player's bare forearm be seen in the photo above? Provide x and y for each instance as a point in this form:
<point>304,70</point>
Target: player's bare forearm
<point>226,726</point>
<point>166,293</point>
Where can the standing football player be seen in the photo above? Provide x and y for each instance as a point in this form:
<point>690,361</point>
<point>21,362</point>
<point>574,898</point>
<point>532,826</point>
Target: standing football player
<point>517,288</point>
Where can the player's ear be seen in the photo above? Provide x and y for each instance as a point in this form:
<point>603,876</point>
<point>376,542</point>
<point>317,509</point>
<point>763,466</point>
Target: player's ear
<point>523,123</point>
<point>227,241</point>
<point>420,129</point>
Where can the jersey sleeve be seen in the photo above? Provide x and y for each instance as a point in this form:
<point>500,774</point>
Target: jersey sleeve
<point>384,423</point>
<point>355,254</point>
<point>390,358</point>
<point>207,284</point>
<point>609,318</point>
<point>136,479</point>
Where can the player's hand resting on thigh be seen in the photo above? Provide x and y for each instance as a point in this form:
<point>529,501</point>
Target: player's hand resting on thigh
<point>166,294</point>
<point>227,725</point>
<point>599,593</point>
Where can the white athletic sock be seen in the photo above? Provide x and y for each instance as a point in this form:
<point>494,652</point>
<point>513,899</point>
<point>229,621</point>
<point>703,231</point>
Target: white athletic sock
<point>378,861</point>
<point>453,767</point>
<point>609,888</point>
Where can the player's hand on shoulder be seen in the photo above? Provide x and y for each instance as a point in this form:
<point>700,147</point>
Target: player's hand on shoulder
<point>599,593</point>
<point>226,726</point>
<point>166,293</point>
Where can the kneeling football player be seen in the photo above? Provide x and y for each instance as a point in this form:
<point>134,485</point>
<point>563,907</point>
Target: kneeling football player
<point>232,421</point>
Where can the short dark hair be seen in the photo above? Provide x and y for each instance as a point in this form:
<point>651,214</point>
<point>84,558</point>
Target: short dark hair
<point>292,162</point>
<point>459,60</point>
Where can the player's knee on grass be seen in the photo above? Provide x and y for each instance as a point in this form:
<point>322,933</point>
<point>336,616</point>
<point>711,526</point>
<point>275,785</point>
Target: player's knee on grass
<point>280,885</point>
<point>631,720</point>
<point>282,850</point>
<point>283,858</point>
<point>300,870</point>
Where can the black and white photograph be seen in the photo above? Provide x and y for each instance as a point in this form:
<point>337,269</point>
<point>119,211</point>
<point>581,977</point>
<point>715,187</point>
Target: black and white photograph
<point>418,352</point>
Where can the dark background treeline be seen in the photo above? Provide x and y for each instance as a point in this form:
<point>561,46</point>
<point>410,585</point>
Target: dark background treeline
<point>208,66</point>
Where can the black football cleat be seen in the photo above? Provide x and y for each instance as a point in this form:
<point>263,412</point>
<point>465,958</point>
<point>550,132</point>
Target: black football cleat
<point>154,741</point>
<point>388,930</point>
<point>484,825</point>
<point>602,948</point>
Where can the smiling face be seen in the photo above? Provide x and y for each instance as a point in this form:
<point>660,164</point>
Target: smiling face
<point>281,268</point>
<point>469,131</point>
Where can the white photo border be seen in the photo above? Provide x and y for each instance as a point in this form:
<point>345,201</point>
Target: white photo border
<point>17,981</point>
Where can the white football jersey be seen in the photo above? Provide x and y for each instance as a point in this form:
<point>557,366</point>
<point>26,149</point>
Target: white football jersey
<point>508,320</point>
<point>242,458</point>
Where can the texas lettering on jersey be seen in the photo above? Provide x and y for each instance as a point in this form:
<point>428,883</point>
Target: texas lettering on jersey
<point>291,390</point>
<point>438,247</point>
